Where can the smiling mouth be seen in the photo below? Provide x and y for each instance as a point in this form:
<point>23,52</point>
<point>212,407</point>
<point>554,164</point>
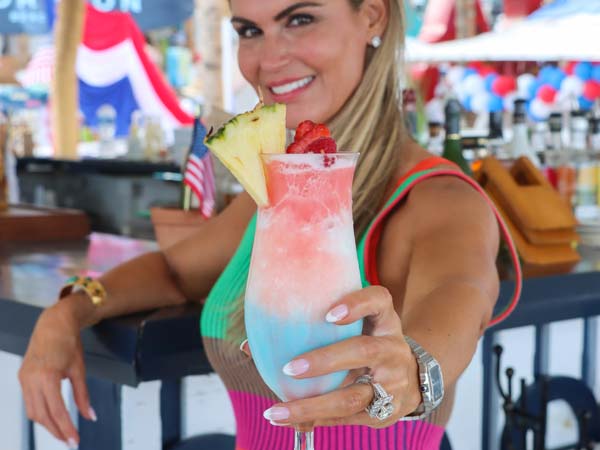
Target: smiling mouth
<point>291,87</point>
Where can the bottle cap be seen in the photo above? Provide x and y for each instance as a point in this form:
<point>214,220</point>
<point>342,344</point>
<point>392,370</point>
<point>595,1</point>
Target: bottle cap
<point>452,111</point>
<point>555,122</point>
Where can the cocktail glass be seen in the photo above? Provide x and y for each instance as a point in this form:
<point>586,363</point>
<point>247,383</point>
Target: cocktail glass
<point>303,261</point>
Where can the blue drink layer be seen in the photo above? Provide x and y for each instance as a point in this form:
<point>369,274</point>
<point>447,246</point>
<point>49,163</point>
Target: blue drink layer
<point>274,342</point>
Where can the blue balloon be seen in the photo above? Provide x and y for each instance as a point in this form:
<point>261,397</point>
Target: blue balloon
<point>545,74</point>
<point>556,78</point>
<point>533,88</point>
<point>585,104</point>
<point>496,103</point>
<point>489,80</point>
<point>469,71</point>
<point>583,70</point>
<point>596,73</point>
<point>466,103</point>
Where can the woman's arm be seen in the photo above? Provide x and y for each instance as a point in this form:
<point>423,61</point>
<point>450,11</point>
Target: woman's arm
<point>446,299</point>
<point>184,272</point>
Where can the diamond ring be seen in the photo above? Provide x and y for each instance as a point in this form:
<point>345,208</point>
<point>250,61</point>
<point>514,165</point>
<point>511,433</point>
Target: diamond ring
<point>381,406</point>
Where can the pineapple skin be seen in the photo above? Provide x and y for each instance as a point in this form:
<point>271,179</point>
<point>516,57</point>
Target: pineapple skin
<point>239,143</point>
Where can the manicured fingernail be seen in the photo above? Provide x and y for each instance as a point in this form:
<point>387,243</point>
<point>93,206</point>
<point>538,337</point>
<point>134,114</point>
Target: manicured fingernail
<point>276,413</point>
<point>93,415</point>
<point>244,347</point>
<point>71,443</point>
<point>337,313</point>
<point>296,367</point>
<point>279,424</point>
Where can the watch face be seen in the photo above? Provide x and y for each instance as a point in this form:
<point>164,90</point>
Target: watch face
<point>437,384</point>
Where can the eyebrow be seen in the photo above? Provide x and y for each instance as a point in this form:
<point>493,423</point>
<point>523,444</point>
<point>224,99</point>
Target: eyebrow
<point>282,15</point>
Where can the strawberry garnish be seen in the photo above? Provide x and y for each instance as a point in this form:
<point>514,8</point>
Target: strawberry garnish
<point>322,145</point>
<point>304,127</point>
<point>294,147</point>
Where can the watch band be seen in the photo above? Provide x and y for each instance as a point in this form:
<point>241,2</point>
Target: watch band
<point>425,362</point>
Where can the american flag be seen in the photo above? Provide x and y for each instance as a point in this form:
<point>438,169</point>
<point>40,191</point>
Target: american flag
<point>199,175</point>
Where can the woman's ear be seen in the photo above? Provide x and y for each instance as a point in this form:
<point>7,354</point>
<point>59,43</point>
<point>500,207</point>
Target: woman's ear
<point>375,14</point>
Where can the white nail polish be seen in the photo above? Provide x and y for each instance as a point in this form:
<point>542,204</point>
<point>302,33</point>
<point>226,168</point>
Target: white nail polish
<point>296,367</point>
<point>275,424</point>
<point>71,443</point>
<point>337,313</point>
<point>93,415</point>
<point>276,413</point>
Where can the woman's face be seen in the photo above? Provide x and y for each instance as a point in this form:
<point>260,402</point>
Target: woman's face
<point>307,54</point>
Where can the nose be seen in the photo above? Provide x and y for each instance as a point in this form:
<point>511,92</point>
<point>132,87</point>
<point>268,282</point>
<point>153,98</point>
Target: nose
<point>274,53</point>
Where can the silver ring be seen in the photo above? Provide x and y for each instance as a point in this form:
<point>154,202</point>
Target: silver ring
<point>381,406</point>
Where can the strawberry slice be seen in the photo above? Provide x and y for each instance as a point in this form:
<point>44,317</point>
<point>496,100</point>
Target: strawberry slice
<point>303,128</point>
<point>294,147</point>
<point>322,145</point>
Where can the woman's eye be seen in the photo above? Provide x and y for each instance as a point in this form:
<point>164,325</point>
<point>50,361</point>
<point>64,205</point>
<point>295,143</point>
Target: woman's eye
<point>247,32</point>
<point>300,19</point>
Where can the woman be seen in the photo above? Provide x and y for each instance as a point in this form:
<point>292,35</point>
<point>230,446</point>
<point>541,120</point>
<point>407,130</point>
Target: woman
<point>433,265</point>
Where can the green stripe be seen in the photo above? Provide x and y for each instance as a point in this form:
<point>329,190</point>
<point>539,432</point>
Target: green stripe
<point>231,284</point>
<point>360,248</point>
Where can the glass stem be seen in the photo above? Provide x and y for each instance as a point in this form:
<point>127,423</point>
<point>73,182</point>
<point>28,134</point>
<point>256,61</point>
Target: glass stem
<point>304,440</point>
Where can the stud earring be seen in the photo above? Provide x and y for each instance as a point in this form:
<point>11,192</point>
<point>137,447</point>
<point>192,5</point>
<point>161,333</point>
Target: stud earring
<point>375,42</point>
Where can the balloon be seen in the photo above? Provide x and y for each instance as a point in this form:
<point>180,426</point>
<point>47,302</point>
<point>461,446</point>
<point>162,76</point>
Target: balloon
<point>585,104</point>
<point>469,71</point>
<point>524,83</point>
<point>504,85</point>
<point>583,70</point>
<point>441,90</point>
<point>538,110</point>
<point>496,103</point>
<point>572,86</point>
<point>545,74</point>
<point>546,93</point>
<point>434,110</point>
<point>591,90</point>
<point>487,70</point>
<point>570,67</point>
<point>480,102</point>
<point>596,73</point>
<point>489,81</point>
<point>473,84</point>
<point>556,78</point>
<point>466,103</point>
<point>455,74</point>
<point>509,101</point>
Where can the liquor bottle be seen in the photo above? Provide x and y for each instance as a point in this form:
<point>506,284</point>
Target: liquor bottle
<point>520,145</point>
<point>581,155</point>
<point>496,145</point>
<point>452,143</point>
<point>560,161</point>
<point>594,130</point>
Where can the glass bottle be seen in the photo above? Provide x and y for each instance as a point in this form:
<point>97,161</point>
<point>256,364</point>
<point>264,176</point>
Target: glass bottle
<point>520,145</point>
<point>452,143</point>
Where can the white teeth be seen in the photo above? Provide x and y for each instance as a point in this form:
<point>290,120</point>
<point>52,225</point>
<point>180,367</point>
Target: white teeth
<point>285,88</point>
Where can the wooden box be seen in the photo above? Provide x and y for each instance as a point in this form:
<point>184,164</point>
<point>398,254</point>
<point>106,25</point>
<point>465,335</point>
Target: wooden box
<point>32,223</point>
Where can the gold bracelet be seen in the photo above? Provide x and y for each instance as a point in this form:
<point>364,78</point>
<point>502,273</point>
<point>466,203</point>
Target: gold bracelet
<point>93,288</point>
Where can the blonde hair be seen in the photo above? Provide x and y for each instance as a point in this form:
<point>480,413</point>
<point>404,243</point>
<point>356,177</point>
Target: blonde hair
<point>371,122</point>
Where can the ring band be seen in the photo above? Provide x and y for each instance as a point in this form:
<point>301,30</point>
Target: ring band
<point>381,406</point>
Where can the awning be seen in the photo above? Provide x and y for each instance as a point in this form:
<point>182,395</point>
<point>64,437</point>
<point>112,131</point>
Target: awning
<point>563,30</point>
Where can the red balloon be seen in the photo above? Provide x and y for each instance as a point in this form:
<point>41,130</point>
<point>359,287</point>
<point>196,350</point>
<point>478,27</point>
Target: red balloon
<point>570,67</point>
<point>504,85</point>
<point>486,70</point>
<point>591,90</point>
<point>547,93</point>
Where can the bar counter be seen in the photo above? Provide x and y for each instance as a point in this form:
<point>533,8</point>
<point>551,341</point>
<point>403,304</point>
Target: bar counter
<point>165,344</point>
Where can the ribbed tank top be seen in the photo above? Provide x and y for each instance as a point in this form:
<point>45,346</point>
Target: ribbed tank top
<point>248,393</point>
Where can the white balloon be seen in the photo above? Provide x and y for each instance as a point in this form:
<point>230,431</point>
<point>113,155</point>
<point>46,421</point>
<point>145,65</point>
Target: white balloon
<point>524,82</point>
<point>572,86</point>
<point>509,101</point>
<point>441,90</point>
<point>434,110</point>
<point>455,75</point>
<point>539,109</point>
<point>480,102</point>
<point>473,84</point>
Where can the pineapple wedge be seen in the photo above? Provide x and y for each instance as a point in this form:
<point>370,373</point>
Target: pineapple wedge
<point>239,143</point>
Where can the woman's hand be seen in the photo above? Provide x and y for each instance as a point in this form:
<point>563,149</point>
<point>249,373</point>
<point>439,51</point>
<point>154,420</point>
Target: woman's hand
<point>382,349</point>
<point>54,353</point>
